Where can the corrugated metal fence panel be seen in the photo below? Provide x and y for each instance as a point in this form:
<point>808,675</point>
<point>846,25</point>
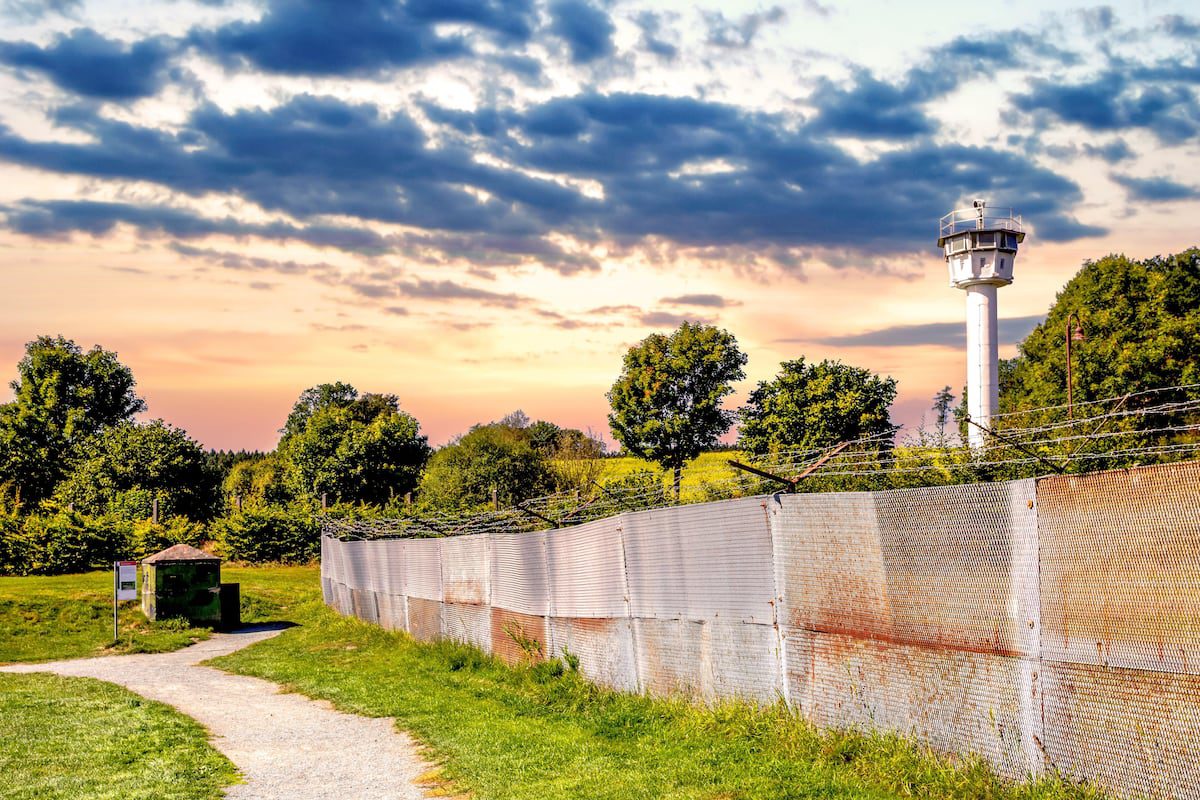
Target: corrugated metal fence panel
<point>709,659</point>
<point>392,611</point>
<point>957,701</point>
<point>1121,568</point>
<point>355,564</point>
<point>424,618</point>
<point>701,562</point>
<point>519,579</point>
<point>468,622</point>
<point>374,553</point>
<point>465,569</point>
<point>518,637</point>
<point>587,571</point>
<point>1133,732</point>
<point>604,648</point>
<point>423,569</point>
<point>949,566</point>
<point>391,553</point>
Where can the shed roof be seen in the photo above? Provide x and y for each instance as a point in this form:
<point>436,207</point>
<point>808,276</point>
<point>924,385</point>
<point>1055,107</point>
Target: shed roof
<point>180,552</point>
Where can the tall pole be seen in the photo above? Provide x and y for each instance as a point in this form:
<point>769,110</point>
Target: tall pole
<point>1069,335</point>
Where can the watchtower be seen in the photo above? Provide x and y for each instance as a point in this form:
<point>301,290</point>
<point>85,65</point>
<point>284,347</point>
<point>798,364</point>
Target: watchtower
<point>980,245</point>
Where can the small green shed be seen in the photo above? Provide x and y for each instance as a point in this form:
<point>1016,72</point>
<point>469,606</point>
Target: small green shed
<point>182,581</point>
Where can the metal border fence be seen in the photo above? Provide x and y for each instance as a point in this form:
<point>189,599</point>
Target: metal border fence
<point>1044,624</point>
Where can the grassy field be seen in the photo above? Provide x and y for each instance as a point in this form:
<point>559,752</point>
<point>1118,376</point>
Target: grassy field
<point>74,738</point>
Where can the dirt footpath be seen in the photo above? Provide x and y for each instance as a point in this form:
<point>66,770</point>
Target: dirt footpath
<point>287,746</point>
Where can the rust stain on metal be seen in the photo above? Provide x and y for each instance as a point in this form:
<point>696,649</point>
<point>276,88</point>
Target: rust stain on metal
<point>1120,567</point>
<point>518,637</point>
<point>424,619</point>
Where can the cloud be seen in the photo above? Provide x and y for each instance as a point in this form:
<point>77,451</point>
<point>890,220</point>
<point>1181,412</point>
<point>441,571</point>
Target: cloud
<point>361,37</point>
<point>1115,151</point>
<point>35,10</point>
<point>1115,101</point>
<point>586,29</point>
<point>937,334</point>
<point>1156,190</point>
<point>91,65</point>
<point>449,291</point>
<point>702,300</point>
<point>1180,27</point>
<point>665,319</point>
<point>738,34</point>
<point>59,218</point>
<point>1098,20</point>
<point>651,24</point>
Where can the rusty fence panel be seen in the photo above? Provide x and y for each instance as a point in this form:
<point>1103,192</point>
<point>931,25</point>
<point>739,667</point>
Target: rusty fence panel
<point>466,589</point>
<point>520,601</point>
<point>1120,572</point>
<point>589,602</point>
<point>916,611</point>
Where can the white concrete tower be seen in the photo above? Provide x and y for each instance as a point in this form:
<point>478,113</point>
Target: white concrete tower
<point>980,244</point>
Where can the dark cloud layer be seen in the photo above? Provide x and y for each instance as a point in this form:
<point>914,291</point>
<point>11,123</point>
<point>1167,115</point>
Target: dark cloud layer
<point>941,334</point>
<point>586,29</point>
<point>91,65</point>
<point>360,37</point>
<point>1156,190</point>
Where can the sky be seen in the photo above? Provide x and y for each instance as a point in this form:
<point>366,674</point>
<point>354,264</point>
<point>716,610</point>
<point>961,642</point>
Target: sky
<point>479,205</point>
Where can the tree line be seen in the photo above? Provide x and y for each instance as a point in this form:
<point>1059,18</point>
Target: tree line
<point>82,481</point>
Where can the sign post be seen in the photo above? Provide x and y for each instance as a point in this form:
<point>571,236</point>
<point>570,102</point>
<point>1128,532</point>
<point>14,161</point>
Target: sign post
<point>124,588</point>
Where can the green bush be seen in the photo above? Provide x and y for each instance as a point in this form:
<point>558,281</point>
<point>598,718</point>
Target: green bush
<point>147,537</point>
<point>66,541</point>
<point>278,535</point>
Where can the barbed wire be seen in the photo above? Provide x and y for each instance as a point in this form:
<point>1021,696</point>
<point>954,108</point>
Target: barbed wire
<point>882,460</point>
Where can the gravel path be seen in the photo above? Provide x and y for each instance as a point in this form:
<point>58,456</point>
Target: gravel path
<point>286,745</point>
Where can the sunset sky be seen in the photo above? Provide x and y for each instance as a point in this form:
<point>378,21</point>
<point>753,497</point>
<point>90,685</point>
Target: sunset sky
<point>478,206</point>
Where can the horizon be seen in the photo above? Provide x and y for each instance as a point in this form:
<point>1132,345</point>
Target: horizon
<point>480,209</point>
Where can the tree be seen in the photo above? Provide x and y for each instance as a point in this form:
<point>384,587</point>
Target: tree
<point>666,404</point>
<point>943,407</point>
<point>498,457</point>
<point>354,449</point>
<point>125,468</point>
<point>816,406</point>
<point>63,397</point>
<point>1141,326</point>
<point>260,480</point>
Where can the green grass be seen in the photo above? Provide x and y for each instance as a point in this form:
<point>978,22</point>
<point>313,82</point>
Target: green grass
<point>542,732</point>
<point>76,738</point>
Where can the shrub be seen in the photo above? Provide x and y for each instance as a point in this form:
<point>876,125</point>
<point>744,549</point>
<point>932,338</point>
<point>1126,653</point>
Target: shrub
<point>147,538</point>
<point>284,535</point>
<point>66,541</point>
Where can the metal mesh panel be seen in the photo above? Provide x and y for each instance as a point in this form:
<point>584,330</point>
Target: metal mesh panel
<point>423,569</point>
<point>392,614</point>
<point>519,580</point>
<point>513,632</point>
<point>468,623</point>
<point>604,648</point>
<point>708,561</point>
<point>954,700</point>
<point>948,567</point>
<point>465,569</point>
<point>587,571</point>
<point>1121,568</point>
<point>424,618</point>
<point>1134,732</point>
<point>708,659</point>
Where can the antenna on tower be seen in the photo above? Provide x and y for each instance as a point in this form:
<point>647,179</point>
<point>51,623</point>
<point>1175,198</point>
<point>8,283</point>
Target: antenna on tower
<point>980,245</point>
